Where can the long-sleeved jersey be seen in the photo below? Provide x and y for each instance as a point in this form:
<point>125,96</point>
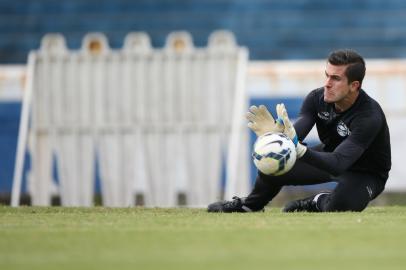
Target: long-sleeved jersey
<point>354,140</point>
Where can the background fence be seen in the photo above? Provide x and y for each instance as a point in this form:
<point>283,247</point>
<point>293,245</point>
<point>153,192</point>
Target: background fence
<point>158,122</point>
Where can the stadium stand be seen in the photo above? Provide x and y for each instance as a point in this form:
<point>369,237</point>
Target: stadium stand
<point>274,29</point>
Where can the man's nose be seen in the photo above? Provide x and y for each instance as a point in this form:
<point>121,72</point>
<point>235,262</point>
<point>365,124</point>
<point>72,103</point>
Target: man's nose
<point>328,82</point>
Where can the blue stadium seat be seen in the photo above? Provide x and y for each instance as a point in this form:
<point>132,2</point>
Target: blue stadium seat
<point>277,29</point>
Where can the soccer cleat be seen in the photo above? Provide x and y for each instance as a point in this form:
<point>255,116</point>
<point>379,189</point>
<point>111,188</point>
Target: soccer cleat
<point>304,205</point>
<point>236,205</point>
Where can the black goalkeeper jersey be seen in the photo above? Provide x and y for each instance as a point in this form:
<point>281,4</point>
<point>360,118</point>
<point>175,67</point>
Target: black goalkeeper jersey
<point>354,140</point>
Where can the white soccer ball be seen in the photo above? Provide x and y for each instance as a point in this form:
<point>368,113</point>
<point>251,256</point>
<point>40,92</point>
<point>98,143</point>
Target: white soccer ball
<point>274,154</point>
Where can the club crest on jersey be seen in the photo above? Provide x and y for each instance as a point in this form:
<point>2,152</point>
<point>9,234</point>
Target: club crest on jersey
<point>342,129</point>
<point>323,115</point>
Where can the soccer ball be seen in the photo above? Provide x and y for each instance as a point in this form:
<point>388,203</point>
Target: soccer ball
<point>274,154</point>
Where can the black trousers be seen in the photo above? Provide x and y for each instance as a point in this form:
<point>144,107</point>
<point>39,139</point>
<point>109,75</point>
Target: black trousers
<point>353,192</point>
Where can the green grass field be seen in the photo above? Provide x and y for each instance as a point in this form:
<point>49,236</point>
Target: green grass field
<point>139,238</point>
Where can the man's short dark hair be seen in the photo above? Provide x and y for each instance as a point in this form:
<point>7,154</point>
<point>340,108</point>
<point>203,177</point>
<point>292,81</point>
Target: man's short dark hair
<point>356,69</point>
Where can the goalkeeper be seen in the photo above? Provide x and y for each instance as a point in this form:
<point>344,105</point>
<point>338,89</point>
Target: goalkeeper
<point>354,151</point>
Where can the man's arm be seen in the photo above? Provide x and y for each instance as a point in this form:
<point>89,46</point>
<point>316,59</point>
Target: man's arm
<point>306,120</point>
<point>336,162</point>
<point>364,130</point>
<point>350,150</point>
<point>304,123</point>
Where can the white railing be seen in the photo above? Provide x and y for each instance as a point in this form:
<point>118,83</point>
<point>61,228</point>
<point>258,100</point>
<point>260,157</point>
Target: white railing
<point>160,122</point>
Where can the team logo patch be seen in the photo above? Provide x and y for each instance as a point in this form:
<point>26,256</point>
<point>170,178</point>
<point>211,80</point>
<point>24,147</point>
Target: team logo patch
<point>323,115</point>
<point>342,129</point>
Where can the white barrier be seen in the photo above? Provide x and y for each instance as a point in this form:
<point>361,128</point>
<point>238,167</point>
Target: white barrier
<point>159,121</point>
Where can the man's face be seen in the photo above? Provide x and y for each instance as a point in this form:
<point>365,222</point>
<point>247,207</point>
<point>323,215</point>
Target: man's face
<point>336,87</point>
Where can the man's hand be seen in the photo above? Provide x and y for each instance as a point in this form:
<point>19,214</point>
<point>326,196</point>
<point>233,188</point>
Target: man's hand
<point>289,130</point>
<point>261,121</point>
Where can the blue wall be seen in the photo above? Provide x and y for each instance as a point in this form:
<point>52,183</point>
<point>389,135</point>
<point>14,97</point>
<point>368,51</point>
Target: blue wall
<point>9,119</point>
<point>271,29</point>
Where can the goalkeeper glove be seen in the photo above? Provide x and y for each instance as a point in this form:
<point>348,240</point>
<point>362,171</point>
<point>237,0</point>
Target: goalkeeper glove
<point>261,121</point>
<point>289,130</point>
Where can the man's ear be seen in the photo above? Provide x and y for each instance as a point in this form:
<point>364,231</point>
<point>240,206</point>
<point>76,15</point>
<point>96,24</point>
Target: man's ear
<point>355,85</point>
